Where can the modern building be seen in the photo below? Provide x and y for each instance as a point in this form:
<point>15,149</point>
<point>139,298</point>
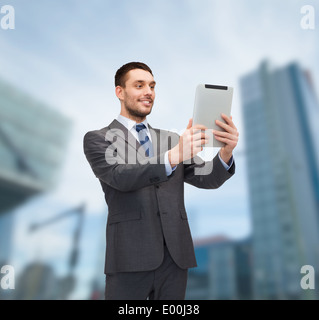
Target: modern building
<point>33,142</point>
<point>223,272</point>
<point>279,112</point>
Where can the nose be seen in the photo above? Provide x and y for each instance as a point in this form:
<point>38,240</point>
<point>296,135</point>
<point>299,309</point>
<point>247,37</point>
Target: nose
<point>148,91</point>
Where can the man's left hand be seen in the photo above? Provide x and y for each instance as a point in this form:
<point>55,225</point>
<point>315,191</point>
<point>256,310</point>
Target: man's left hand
<point>229,137</point>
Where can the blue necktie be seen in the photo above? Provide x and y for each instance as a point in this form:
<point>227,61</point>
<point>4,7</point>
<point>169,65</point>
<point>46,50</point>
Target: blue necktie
<point>144,139</point>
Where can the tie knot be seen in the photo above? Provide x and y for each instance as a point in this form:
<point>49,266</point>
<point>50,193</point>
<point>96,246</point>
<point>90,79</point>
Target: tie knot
<point>140,127</point>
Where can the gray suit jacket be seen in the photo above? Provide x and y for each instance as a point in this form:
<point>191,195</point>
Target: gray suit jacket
<point>144,205</point>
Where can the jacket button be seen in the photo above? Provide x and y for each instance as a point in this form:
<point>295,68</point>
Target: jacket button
<point>157,186</point>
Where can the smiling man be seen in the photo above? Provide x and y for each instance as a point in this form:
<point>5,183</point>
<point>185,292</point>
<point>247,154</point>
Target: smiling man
<point>142,171</point>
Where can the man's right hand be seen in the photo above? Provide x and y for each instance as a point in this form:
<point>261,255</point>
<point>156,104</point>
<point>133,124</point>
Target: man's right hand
<point>190,143</point>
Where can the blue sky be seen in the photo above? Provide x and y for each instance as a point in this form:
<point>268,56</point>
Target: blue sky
<point>66,52</point>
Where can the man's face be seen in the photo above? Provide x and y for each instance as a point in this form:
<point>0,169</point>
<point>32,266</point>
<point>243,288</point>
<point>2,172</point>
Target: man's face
<point>138,96</point>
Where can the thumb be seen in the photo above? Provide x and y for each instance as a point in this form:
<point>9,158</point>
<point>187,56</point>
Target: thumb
<point>190,123</point>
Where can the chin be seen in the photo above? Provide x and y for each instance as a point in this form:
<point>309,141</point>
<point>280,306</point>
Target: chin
<point>140,112</point>
<point>146,111</point>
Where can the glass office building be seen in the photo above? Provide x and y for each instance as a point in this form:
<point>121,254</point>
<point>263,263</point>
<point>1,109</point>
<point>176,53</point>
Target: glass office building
<point>33,142</point>
<point>280,111</point>
<point>223,272</point>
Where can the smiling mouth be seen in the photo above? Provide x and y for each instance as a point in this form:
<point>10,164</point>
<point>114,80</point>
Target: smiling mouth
<point>146,102</point>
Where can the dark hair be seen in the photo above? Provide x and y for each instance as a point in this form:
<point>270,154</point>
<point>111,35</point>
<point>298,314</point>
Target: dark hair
<point>120,76</point>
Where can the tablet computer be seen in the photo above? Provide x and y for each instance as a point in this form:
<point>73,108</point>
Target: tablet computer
<point>210,102</point>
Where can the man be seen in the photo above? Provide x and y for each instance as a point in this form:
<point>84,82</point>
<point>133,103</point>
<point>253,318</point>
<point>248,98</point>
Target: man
<point>142,173</point>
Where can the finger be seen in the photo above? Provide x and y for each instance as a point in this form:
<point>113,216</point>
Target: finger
<point>200,136</point>
<point>200,127</point>
<point>229,120</point>
<point>190,123</point>
<point>197,133</point>
<point>227,127</point>
<point>231,143</point>
<point>224,134</point>
<point>200,143</point>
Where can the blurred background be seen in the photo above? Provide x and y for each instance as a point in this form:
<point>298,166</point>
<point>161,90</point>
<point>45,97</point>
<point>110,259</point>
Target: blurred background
<point>57,67</point>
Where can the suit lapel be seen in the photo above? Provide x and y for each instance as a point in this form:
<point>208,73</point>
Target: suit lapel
<point>121,131</point>
<point>155,135</point>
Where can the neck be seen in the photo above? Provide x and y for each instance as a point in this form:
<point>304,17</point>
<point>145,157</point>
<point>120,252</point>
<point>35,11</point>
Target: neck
<point>133,117</point>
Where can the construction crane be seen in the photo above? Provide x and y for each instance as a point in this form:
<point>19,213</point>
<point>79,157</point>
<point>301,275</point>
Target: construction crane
<point>68,282</point>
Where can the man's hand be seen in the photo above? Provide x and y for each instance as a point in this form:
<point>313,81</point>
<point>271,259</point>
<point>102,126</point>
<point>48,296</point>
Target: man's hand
<point>190,143</point>
<point>230,137</point>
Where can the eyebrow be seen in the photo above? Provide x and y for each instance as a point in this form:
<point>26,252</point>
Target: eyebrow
<point>142,81</point>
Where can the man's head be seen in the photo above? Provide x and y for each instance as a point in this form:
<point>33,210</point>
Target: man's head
<point>135,88</point>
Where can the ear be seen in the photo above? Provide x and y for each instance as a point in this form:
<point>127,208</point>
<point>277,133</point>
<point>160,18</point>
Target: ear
<point>119,92</point>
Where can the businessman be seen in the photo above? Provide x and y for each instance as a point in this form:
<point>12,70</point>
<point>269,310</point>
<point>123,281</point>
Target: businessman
<point>142,171</point>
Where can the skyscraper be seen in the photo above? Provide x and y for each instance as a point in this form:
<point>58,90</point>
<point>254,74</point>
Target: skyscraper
<point>279,112</point>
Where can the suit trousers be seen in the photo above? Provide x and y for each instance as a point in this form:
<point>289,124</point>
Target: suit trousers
<point>167,282</point>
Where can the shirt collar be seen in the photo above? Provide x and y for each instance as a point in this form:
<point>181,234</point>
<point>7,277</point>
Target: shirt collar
<point>129,124</point>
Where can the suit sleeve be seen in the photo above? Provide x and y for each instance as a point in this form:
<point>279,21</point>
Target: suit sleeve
<point>207,175</point>
<point>120,175</point>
